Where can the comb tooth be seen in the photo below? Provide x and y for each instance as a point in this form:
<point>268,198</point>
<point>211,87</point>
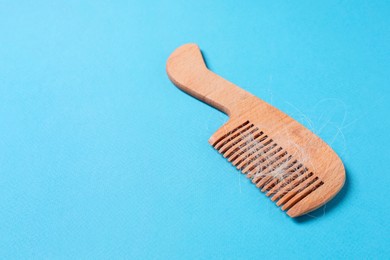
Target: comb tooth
<point>218,143</point>
<point>225,138</point>
<point>270,174</point>
<point>256,158</point>
<point>281,174</point>
<point>231,135</point>
<point>286,178</point>
<point>235,139</point>
<point>276,172</point>
<point>258,165</point>
<point>300,185</point>
<point>306,183</point>
<point>302,193</point>
<point>246,140</point>
<point>276,184</point>
<point>272,157</point>
<point>248,145</point>
<point>244,160</point>
<point>260,143</point>
<point>290,182</point>
<point>297,179</point>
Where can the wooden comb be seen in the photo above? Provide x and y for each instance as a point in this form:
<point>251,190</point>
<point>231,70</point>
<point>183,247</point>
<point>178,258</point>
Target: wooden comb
<point>284,159</point>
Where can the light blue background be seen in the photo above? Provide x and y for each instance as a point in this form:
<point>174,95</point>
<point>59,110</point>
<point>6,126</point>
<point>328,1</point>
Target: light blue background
<point>102,157</point>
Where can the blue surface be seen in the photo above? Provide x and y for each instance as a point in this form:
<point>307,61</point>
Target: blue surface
<point>102,157</point>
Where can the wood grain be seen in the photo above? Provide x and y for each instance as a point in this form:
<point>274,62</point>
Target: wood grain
<point>292,165</point>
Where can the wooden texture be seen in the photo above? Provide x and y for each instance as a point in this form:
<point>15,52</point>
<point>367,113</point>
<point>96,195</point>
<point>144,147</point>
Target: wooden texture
<point>292,165</point>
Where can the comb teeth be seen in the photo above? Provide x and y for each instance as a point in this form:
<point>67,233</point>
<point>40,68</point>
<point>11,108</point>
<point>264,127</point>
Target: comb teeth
<point>271,168</point>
